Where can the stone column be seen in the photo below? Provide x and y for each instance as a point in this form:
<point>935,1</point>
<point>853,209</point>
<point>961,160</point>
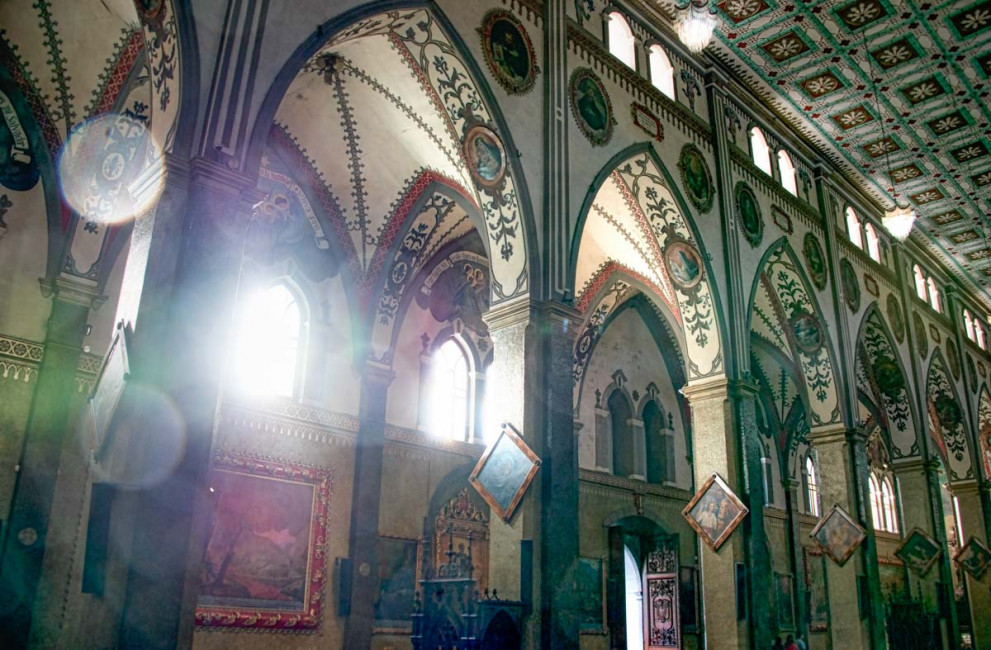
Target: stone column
<point>834,452</point>
<point>796,559</point>
<point>365,504</point>
<point>181,291</point>
<point>972,524</point>
<point>26,531</point>
<point>725,443</point>
<point>916,513</point>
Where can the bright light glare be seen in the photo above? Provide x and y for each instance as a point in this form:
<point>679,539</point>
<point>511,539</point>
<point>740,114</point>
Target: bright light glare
<point>100,161</point>
<point>449,392</point>
<point>267,350</point>
<point>899,222</point>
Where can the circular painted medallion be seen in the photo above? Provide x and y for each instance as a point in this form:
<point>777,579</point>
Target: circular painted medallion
<point>895,318</point>
<point>851,286</point>
<point>921,338</point>
<point>695,178</point>
<point>748,212</point>
<point>591,106</point>
<point>953,359</point>
<point>485,155</point>
<point>683,264</point>
<point>889,376</point>
<point>808,333</point>
<point>815,261</point>
<point>947,411</point>
<point>508,51</point>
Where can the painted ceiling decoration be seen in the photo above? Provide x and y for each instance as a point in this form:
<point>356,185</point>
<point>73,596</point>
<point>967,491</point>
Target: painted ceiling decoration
<point>784,317</point>
<point>946,421</point>
<point>634,229</point>
<point>781,394</point>
<point>394,83</point>
<point>984,430</point>
<point>817,65</point>
<point>881,383</point>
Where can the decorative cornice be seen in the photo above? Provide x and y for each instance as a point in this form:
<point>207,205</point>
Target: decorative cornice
<point>15,348</point>
<point>631,485</point>
<point>421,440</point>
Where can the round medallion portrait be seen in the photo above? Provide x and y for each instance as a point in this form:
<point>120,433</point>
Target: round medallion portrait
<point>921,338</point>
<point>591,106</point>
<point>485,155</point>
<point>683,264</point>
<point>889,376</point>
<point>953,359</point>
<point>815,261</point>
<point>748,211</point>
<point>508,51</point>
<point>808,333</point>
<point>895,317</point>
<point>851,286</point>
<point>695,178</point>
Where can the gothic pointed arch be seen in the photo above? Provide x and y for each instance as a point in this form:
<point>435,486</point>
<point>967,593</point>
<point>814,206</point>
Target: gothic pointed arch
<point>784,316</point>
<point>402,82</point>
<point>635,228</point>
<point>947,423</point>
<point>882,387</point>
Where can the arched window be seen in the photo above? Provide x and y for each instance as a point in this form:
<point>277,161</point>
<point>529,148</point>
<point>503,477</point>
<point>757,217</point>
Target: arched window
<point>968,322</point>
<point>661,71</point>
<point>877,509</point>
<point>920,284</point>
<point>658,456</point>
<point>787,170</point>
<point>768,475</point>
<point>873,243</point>
<point>759,150</point>
<point>980,335</point>
<point>883,505</point>
<point>450,391</point>
<point>853,230</point>
<point>620,414</point>
<point>811,488</point>
<point>934,295</point>
<point>268,358</point>
<point>634,601</point>
<point>622,45</point>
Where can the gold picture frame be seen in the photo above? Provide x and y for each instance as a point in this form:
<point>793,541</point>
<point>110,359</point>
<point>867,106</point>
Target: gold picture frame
<point>714,512</point>
<point>838,535</point>
<point>504,472</point>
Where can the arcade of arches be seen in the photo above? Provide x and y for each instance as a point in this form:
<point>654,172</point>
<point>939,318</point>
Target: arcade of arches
<point>490,324</point>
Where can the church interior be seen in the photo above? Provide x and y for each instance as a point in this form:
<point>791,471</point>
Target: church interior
<point>473,324</point>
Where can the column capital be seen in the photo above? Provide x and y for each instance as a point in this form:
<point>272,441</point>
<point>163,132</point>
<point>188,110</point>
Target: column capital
<point>74,290</point>
<point>828,434</point>
<point>375,372</point>
<point>965,488</point>
<point>719,387</point>
<point>790,484</point>
<point>168,171</point>
<point>510,312</point>
<point>905,466</point>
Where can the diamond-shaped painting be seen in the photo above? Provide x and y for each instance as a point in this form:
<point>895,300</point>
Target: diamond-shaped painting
<point>906,173</point>
<point>821,84</point>
<point>853,117</point>
<point>982,179</point>
<point>861,12</point>
<point>714,512</point>
<point>964,237</point>
<point>894,54</point>
<point>740,10</point>
<point>927,196</point>
<point>974,558</point>
<point>970,152</point>
<point>786,46</point>
<point>948,123</point>
<point>923,89</point>
<point>974,19</point>
<point>880,147</point>
<point>504,472</point>
<point>947,217</point>
<point>919,552</point>
<point>838,535</point>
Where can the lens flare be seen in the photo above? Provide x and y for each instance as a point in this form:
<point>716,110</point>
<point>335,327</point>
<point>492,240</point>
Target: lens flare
<point>110,169</point>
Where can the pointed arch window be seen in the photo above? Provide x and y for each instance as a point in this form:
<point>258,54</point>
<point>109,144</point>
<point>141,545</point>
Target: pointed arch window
<point>450,391</point>
<point>920,284</point>
<point>979,334</point>
<point>768,475</point>
<point>873,243</point>
<point>934,300</point>
<point>269,343</point>
<point>659,444</point>
<point>622,44</point>
<point>620,416</point>
<point>853,229</point>
<point>811,488</point>
<point>883,502</point>
<point>661,70</point>
<point>759,151</point>
<point>787,170</point>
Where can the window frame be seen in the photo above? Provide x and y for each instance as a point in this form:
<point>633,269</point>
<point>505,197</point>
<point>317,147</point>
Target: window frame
<point>611,36</point>
<point>666,69</point>
<point>471,393</point>
<point>757,134</point>
<point>788,175</point>
<point>301,342</point>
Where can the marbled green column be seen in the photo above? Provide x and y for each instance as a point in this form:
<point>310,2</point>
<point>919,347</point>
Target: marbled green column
<point>978,591</point>
<point>916,513</point>
<point>796,558</point>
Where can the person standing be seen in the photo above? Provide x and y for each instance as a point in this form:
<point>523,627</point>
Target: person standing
<point>790,643</point>
<point>800,642</point>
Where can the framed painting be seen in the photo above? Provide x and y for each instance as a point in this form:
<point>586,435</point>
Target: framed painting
<point>398,562</point>
<point>851,286</point>
<point>683,264</point>
<point>504,472</point>
<point>815,261</point>
<point>485,155</point>
<point>838,535</point>
<point>264,564</point>
<point>696,178</point>
<point>714,512</point>
<point>974,558</point>
<point>591,586</point>
<point>591,106</point>
<point>895,318</point>
<point>815,577</point>
<point>748,212</point>
<point>508,51</point>
<point>919,552</point>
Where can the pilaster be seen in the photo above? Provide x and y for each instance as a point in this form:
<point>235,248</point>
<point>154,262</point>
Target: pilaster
<point>972,524</point>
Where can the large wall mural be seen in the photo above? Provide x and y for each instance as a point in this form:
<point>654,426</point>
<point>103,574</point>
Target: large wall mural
<point>947,424</point>
<point>784,315</point>
<point>634,229</point>
<point>881,381</point>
